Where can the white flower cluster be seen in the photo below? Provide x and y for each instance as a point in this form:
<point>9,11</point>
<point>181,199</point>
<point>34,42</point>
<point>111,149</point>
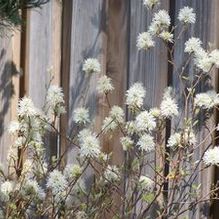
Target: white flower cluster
<point>146,143</point>
<point>150,3</point>
<point>5,190</point>
<point>187,15</point>
<point>58,184</point>
<point>166,36</point>
<point>26,108</point>
<point>72,171</point>
<point>91,65</point>
<point>126,142</point>
<point>168,107</point>
<point>146,183</point>
<point>135,96</point>
<point>55,101</point>
<point>104,85</point>
<point>211,156</point>
<point>145,41</point>
<point>160,22</point>
<point>145,122</point>
<point>111,174</point>
<point>206,100</point>
<point>174,140</point>
<point>90,145</point>
<point>81,116</point>
<point>115,118</point>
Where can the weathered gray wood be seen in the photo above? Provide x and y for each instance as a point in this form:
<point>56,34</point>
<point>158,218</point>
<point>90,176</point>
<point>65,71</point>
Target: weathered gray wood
<point>43,51</point>
<point>204,29</point>
<point>88,39</point>
<point>9,88</point>
<point>149,67</point>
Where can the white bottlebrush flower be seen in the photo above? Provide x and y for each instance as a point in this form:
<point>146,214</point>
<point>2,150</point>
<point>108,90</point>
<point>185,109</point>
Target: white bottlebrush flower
<point>189,137</point>
<point>126,142</point>
<point>166,36</point>
<point>31,187</point>
<point>174,140</point>
<point>146,183</point>
<point>109,124</point>
<point>81,116</point>
<point>146,143</point>
<point>211,156</point>
<point>5,189</point>
<point>155,112</point>
<point>150,3</point>
<point>214,55</point>
<point>202,60</point>
<point>55,100</point>
<point>145,41</point>
<point>13,127</point>
<point>135,96</point>
<point>90,145</point>
<point>57,183</point>
<point>91,65</point>
<point>130,127</point>
<point>206,100</point>
<point>145,121</point>
<point>187,15</point>
<point>193,45</point>
<point>117,114</point>
<point>26,107</point>
<point>72,171</point>
<point>104,85</point>
<point>160,22</point>
<point>168,105</point>
<point>111,174</point>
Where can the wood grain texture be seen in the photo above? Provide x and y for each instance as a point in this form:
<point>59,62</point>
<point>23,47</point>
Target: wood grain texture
<point>88,39</point>
<point>204,28</point>
<point>43,52</point>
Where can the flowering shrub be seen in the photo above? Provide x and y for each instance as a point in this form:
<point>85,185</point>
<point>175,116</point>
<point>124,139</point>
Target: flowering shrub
<point>33,186</point>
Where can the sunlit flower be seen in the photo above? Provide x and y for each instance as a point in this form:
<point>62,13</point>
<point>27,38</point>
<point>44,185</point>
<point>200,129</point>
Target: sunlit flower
<point>187,15</point>
<point>13,127</point>
<point>26,107</point>
<point>91,65</point>
<point>207,100</point>
<point>90,145</point>
<point>135,96</point>
<point>146,183</point>
<point>174,140</point>
<point>57,183</point>
<point>5,189</point>
<point>72,171</point>
<point>145,41</point>
<point>193,45</point>
<point>168,105</point>
<point>146,143</point>
<point>81,115</point>
<point>126,142</point>
<point>150,3</point>
<point>214,55</point>
<point>111,174</point>
<point>145,121</point>
<point>55,100</point>
<point>104,85</point>
<point>211,156</point>
<point>166,36</point>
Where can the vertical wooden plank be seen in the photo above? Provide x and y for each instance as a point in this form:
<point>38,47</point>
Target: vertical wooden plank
<point>88,39</point>
<point>9,88</point>
<point>204,28</point>
<point>117,64</point>
<point>43,51</point>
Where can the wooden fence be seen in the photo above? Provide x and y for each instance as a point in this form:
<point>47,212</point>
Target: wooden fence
<point>63,34</point>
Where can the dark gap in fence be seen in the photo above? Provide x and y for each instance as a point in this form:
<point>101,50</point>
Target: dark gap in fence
<point>23,54</point>
<point>169,83</point>
<point>65,70</point>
